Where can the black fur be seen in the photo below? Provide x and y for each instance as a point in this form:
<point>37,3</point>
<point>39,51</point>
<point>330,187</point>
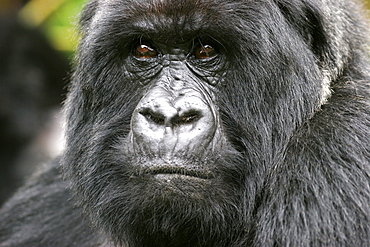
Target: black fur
<point>291,163</point>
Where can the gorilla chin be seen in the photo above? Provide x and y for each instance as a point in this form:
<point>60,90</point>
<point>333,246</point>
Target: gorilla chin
<point>190,179</point>
<point>167,201</point>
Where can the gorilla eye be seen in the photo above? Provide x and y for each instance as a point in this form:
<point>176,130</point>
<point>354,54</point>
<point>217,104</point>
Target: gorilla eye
<point>203,51</point>
<point>145,50</point>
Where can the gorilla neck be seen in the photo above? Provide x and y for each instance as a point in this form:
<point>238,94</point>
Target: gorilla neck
<point>178,227</point>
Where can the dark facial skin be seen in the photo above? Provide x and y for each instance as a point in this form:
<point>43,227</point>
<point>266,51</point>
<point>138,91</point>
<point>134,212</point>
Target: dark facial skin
<point>177,115</point>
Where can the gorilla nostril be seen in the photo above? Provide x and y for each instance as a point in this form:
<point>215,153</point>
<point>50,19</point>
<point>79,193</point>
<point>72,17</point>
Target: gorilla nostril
<point>154,117</point>
<point>175,120</point>
<point>186,118</point>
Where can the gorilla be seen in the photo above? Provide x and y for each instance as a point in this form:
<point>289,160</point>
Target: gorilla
<point>209,123</point>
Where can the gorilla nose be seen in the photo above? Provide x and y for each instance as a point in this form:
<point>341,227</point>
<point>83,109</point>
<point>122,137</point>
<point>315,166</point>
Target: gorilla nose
<point>170,117</point>
<point>173,121</point>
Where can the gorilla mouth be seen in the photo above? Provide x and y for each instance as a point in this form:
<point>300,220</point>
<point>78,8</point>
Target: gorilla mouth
<point>183,172</point>
<point>176,170</point>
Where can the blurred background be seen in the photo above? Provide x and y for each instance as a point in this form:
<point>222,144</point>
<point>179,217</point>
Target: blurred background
<point>56,19</point>
<point>37,41</point>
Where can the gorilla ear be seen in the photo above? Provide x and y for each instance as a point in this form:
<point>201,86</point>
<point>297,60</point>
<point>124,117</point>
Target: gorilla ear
<point>308,19</point>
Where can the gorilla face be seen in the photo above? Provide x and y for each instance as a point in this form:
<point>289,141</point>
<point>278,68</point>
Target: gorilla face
<point>177,110</point>
<point>175,126</point>
<point>173,153</point>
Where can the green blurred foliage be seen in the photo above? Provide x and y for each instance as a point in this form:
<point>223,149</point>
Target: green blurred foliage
<point>57,19</point>
<point>61,25</point>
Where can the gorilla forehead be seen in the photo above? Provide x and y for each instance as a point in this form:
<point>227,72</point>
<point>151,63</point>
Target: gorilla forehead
<point>175,19</point>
